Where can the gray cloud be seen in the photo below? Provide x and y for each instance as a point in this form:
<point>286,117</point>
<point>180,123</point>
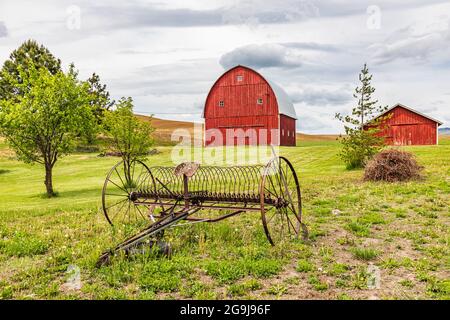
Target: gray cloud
<point>248,12</point>
<point>185,77</point>
<point>169,89</point>
<point>310,123</point>
<point>253,12</point>
<point>242,13</point>
<point>3,30</point>
<point>325,97</point>
<point>405,45</point>
<point>340,8</point>
<point>311,46</point>
<point>150,16</point>
<point>262,56</point>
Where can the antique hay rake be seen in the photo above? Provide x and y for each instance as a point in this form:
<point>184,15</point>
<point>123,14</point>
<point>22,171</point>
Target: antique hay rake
<point>167,196</point>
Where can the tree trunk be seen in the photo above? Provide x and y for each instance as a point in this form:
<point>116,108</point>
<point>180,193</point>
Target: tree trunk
<point>49,180</point>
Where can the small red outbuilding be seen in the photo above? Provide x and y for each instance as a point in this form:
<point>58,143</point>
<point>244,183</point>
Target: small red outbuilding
<point>404,126</point>
<point>243,101</point>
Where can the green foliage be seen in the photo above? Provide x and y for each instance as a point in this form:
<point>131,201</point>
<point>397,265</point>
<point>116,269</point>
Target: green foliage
<point>361,142</point>
<point>193,289</point>
<point>229,271</point>
<point>317,283</point>
<point>99,101</point>
<point>344,296</point>
<point>304,266</point>
<point>277,290</point>
<point>365,253</point>
<point>439,288</point>
<point>6,291</point>
<point>21,244</point>
<point>371,218</point>
<point>407,283</point>
<point>358,228</point>
<point>359,279</point>
<point>29,55</point>
<point>129,137</point>
<point>359,146</point>
<point>164,275</point>
<point>339,268</point>
<point>42,124</point>
<point>240,289</point>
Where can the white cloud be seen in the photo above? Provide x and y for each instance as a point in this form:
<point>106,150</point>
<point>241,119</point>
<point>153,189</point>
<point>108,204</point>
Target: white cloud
<point>410,46</point>
<point>262,56</point>
<point>321,97</point>
<point>3,30</point>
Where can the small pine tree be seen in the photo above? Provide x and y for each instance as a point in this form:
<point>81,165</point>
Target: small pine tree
<point>361,141</point>
<point>99,101</point>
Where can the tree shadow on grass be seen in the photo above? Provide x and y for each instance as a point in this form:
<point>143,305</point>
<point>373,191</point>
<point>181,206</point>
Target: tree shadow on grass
<point>71,194</point>
<point>4,171</point>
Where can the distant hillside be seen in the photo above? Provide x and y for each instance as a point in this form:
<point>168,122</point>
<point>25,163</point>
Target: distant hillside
<point>164,129</point>
<point>444,131</point>
<point>316,137</point>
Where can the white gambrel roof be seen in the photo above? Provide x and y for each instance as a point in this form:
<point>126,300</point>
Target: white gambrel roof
<point>285,105</point>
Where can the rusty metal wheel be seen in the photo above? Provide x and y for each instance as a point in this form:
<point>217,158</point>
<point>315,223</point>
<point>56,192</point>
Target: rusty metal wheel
<point>281,205</point>
<point>118,200</point>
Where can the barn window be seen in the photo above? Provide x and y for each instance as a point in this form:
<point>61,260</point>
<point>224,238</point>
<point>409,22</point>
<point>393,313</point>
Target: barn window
<point>221,103</point>
<point>239,78</point>
<point>259,101</point>
<point>282,132</point>
<point>289,133</point>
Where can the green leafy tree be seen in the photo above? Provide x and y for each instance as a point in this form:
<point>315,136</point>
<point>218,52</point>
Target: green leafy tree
<point>41,125</point>
<point>128,136</point>
<point>361,141</point>
<point>30,53</point>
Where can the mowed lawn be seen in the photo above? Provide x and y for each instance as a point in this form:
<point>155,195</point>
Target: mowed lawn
<point>357,230</point>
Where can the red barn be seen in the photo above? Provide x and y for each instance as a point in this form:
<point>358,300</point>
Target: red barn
<point>404,126</point>
<point>243,102</point>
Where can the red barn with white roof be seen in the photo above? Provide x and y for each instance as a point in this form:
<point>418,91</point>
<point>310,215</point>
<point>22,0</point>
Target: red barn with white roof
<point>242,100</point>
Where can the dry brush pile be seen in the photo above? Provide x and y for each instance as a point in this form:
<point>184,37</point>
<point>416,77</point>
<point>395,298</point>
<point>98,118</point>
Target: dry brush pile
<point>392,165</point>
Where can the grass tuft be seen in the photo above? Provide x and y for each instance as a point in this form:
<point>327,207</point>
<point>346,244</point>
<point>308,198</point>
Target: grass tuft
<point>365,254</point>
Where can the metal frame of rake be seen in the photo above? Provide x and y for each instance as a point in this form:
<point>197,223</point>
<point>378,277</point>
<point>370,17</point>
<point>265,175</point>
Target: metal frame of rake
<point>172,196</point>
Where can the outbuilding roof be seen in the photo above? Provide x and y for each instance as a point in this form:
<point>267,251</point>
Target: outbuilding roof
<point>407,108</point>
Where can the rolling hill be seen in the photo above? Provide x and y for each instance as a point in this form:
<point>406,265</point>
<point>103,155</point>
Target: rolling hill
<point>164,129</point>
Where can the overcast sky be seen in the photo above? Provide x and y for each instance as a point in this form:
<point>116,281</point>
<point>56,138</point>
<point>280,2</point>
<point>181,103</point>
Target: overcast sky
<point>167,54</point>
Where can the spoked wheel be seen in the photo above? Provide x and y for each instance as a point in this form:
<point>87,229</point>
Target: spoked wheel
<point>119,205</point>
<point>281,206</point>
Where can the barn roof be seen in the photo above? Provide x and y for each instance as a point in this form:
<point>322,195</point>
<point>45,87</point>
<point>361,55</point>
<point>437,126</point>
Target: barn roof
<point>285,105</point>
<point>407,108</point>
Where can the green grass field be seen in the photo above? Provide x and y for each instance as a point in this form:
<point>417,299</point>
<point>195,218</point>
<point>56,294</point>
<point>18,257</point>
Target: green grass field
<point>402,229</point>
